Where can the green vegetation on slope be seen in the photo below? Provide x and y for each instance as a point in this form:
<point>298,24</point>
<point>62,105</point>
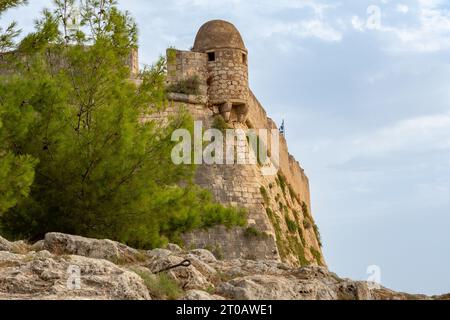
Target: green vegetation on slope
<point>160,286</point>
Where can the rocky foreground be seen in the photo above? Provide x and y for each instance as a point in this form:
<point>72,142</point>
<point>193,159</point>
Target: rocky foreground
<point>70,267</point>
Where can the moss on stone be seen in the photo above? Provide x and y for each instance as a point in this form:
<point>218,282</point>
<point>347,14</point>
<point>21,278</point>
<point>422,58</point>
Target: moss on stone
<point>283,249</point>
<point>282,182</point>
<point>316,254</point>
<point>252,232</point>
<point>265,195</point>
<point>296,215</point>
<point>171,56</point>
<point>292,226</point>
<point>298,251</point>
<point>302,236</point>
<point>318,235</point>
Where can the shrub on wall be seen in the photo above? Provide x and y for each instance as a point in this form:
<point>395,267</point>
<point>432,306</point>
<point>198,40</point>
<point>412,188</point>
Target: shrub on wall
<point>220,124</point>
<point>189,86</point>
<point>292,226</point>
<point>307,223</point>
<point>252,232</point>
<point>282,182</point>
<point>265,195</point>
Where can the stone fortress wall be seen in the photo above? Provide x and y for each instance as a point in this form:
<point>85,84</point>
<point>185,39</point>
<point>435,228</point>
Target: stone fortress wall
<point>278,206</point>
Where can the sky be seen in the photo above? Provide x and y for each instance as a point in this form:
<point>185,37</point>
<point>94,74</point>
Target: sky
<point>364,88</point>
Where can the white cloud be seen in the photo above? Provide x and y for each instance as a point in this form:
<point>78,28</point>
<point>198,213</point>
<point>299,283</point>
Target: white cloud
<point>432,33</point>
<point>427,31</point>
<point>423,133</point>
<point>402,8</point>
<point>358,23</point>
<point>312,28</point>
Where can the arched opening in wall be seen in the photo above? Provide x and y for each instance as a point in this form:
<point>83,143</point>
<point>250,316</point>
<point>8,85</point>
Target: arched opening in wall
<point>244,58</point>
<point>211,56</point>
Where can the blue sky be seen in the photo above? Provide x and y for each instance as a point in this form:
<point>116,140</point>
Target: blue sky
<point>367,110</point>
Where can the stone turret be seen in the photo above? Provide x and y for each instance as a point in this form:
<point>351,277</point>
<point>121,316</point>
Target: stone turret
<point>227,68</point>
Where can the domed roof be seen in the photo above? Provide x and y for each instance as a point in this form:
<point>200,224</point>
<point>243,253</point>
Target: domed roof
<point>218,34</point>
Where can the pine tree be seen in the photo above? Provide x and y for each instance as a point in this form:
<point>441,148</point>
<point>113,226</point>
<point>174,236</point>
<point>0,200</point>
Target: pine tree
<point>16,168</point>
<point>8,35</point>
<point>102,172</point>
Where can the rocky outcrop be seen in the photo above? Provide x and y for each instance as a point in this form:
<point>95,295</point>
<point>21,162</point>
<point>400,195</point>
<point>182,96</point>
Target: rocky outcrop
<point>16,247</point>
<point>59,243</point>
<point>70,267</point>
<point>45,276</point>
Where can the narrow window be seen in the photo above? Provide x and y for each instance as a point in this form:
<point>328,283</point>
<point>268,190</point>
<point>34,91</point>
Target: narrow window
<point>244,58</point>
<point>211,56</point>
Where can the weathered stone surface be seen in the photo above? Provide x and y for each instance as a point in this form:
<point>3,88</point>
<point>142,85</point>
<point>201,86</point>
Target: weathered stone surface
<point>38,246</point>
<point>201,266</point>
<point>5,245</point>
<point>159,253</point>
<point>268,287</point>
<point>16,247</point>
<point>200,295</point>
<point>59,243</point>
<point>204,255</point>
<point>187,277</point>
<point>174,248</point>
<point>45,276</point>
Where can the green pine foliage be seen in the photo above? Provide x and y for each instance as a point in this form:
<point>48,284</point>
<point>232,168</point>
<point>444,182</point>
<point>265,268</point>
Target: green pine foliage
<point>8,35</point>
<point>16,168</point>
<point>99,170</point>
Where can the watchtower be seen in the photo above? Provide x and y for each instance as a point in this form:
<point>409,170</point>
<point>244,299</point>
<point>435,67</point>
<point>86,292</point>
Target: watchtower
<point>227,68</point>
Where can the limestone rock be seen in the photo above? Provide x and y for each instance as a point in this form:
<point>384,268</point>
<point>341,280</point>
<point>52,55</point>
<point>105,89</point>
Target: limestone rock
<point>45,276</point>
<point>267,287</point>
<point>200,295</point>
<point>159,253</point>
<point>15,247</point>
<point>354,290</point>
<point>204,255</point>
<point>59,243</point>
<point>5,245</point>
<point>204,268</point>
<point>64,267</point>
<point>38,246</point>
<point>187,277</point>
<point>174,248</point>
